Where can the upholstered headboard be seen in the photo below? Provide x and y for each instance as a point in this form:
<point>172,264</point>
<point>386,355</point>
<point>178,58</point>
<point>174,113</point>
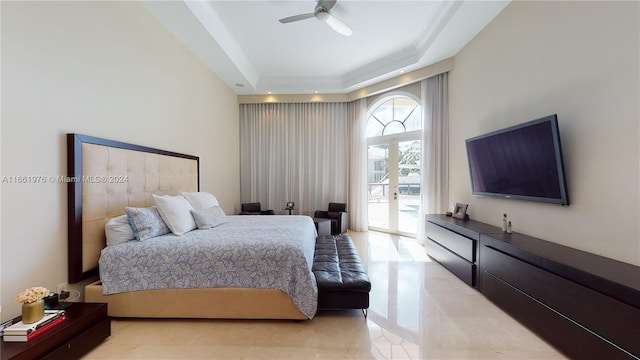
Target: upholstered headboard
<point>104,176</point>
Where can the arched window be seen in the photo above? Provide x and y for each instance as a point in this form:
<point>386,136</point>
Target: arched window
<point>396,115</point>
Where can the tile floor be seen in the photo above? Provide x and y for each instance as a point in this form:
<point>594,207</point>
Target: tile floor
<point>418,311</point>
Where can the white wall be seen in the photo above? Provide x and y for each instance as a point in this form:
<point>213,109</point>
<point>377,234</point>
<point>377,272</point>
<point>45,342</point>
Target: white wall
<point>581,61</point>
<point>106,69</point>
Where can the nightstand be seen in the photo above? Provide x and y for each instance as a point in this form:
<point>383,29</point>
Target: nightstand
<point>87,325</point>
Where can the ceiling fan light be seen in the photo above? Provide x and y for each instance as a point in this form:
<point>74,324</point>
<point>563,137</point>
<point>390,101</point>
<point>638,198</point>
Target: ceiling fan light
<point>323,16</point>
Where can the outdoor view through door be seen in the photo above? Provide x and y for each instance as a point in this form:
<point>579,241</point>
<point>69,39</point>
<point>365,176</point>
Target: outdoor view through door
<point>393,132</point>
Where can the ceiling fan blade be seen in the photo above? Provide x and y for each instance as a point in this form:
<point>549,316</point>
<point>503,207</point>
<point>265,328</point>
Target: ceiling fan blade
<point>297,18</point>
<point>337,25</point>
<point>326,4</point>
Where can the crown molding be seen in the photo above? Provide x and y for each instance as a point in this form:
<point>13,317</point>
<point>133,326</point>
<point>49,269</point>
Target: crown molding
<point>380,87</point>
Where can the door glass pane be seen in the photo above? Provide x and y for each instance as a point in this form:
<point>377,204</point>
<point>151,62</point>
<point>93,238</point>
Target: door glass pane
<point>378,186</point>
<point>409,185</point>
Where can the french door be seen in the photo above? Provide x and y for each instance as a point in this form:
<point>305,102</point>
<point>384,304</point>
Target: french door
<point>394,183</point>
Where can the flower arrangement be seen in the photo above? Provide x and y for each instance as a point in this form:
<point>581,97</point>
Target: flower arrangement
<point>32,295</point>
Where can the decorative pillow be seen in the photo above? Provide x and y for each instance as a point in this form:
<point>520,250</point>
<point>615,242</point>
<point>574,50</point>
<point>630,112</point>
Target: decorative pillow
<point>209,218</point>
<point>118,230</point>
<point>176,213</point>
<point>201,200</point>
<point>146,222</point>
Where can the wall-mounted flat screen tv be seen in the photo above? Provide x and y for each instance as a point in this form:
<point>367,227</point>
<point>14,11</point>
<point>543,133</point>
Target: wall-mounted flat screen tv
<point>521,162</point>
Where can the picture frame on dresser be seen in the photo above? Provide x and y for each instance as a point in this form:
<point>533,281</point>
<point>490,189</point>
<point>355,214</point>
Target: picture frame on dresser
<point>460,211</point>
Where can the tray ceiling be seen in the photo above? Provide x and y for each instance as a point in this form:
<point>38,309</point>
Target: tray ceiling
<point>246,46</point>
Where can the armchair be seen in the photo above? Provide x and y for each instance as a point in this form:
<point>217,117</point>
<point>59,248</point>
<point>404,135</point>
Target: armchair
<point>338,215</point>
<point>254,209</point>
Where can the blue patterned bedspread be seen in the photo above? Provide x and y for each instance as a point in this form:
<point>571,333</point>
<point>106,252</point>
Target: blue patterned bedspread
<point>266,252</point>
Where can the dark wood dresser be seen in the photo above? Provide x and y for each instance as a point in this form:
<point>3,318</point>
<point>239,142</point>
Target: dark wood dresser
<point>585,305</point>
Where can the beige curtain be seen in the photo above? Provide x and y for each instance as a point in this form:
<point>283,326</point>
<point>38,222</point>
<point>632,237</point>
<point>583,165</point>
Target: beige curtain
<point>357,118</point>
<point>435,148</point>
<point>294,152</point>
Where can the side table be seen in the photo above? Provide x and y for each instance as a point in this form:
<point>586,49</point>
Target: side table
<point>289,210</point>
<point>323,226</point>
<point>87,325</point>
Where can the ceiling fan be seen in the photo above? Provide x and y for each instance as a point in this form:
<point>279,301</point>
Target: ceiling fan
<point>321,12</point>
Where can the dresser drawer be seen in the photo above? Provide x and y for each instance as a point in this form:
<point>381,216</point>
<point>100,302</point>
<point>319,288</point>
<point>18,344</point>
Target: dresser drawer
<point>460,267</point>
<point>611,319</point>
<point>572,339</point>
<point>458,244</point>
<point>83,343</point>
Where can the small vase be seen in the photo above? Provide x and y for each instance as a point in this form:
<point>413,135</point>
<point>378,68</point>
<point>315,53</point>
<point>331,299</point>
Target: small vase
<point>32,312</point>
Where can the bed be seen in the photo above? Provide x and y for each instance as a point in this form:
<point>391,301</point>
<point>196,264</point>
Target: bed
<point>249,267</point>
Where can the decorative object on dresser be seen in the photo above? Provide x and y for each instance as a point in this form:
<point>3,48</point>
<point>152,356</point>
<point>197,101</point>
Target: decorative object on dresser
<point>585,305</point>
<point>505,222</point>
<point>33,311</point>
<point>337,213</point>
<point>460,211</point>
<point>32,300</point>
<point>254,208</point>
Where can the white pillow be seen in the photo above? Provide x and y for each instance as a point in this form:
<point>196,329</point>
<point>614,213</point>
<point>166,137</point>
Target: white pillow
<point>118,230</point>
<point>201,200</point>
<point>209,218</point>
<point>176,213</point>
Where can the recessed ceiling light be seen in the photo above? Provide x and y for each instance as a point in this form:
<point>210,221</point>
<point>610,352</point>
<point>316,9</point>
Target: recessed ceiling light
<point>268,92</point>
<point>316,91</point>
<point>401,71</point>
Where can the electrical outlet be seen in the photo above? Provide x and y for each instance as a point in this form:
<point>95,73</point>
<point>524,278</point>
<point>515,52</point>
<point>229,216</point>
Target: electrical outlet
<point>62,287</point>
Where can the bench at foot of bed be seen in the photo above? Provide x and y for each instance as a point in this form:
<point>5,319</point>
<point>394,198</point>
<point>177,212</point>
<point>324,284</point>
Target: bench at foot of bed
<point>342,280</point>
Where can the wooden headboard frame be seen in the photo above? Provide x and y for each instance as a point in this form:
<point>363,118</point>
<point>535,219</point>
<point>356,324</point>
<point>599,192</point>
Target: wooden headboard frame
<point>117,183</point>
